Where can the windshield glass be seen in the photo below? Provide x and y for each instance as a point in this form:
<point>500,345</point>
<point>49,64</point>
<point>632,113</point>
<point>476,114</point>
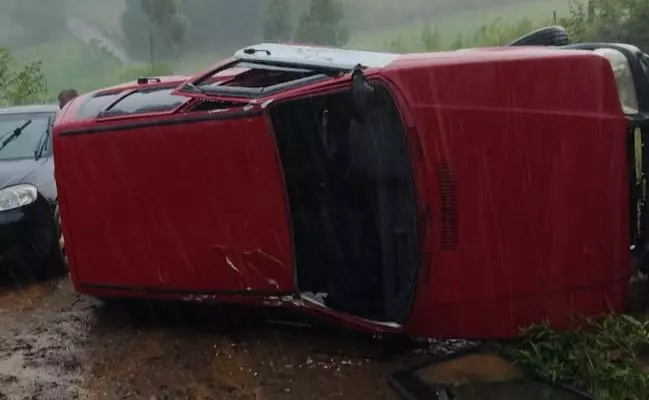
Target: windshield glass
<point>25,144</point>
<point>144,101</point>
<point>247,79</point>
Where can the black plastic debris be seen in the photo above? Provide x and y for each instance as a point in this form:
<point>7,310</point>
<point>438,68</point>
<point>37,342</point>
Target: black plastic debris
<point>476,374</point>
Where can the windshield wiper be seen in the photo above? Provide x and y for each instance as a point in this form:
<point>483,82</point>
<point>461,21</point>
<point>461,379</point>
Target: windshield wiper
<point>42,145</point>
<point>11,136</point>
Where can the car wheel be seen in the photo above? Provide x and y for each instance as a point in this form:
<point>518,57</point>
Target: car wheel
<point>548,36</point>
<point>56,258</point>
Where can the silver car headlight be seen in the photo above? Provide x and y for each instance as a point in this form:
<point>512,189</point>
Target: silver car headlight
<point>17,196</point>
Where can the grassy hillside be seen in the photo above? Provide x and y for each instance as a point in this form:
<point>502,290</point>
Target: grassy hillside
<point>462,23</point>
<point>69,63</point>
<point>361,13</point>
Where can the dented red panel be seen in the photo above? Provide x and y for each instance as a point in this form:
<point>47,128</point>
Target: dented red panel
<point>184,204</point>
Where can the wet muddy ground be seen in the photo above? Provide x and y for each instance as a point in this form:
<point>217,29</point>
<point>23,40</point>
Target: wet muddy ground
<point>56,344</point>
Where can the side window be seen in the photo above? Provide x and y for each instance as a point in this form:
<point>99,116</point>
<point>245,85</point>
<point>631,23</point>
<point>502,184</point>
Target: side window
<point>145,101</point>
<point>623,79</point>
<point>92,106</point>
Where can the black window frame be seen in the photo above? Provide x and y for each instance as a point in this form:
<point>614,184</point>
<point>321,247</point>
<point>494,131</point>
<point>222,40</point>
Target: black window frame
<point>314,74</point>
<point>85,111</point>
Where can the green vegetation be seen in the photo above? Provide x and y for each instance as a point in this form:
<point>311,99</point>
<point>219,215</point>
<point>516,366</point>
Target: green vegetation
<point>465,24</point>
<point>20,85</point>
<point>189,35</point>
<point>623,21</point>
<point>599,357</point>
<point>77,65</point>
<point>89,67</point>
<point>323,24</point>
<point>160,21</point>
<point>203,31</point>
<point>278,21</point>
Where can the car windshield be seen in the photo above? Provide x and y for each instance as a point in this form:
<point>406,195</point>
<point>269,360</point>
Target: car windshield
<point>248,79</point>
<point>27,142</point>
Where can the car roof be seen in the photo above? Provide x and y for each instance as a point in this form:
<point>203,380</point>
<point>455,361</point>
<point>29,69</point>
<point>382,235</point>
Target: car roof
<point>28,109</point>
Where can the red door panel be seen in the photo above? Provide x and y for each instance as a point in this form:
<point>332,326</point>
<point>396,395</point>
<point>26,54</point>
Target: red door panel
<point>192,205</point>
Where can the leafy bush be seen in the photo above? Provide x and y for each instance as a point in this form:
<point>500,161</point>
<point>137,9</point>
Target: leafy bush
<point>609,20</point>
<point>20,86</point>
<point>598,356</point>
<point>622,21</point>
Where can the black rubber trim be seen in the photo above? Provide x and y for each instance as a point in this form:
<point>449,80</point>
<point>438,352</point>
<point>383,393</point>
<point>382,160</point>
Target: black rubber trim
<point>185,292</point>
<point>548,36</point>
<point>122,126</point>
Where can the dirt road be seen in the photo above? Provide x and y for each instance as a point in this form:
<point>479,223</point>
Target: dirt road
<point>55,344</point>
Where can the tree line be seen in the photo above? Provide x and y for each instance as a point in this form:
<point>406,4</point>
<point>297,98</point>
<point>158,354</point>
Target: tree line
<point>166,28</point>
<point>173,27</point>
<point>621,21</point>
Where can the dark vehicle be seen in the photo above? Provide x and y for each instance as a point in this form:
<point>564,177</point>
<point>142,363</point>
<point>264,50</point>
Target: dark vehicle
<point>442,194</point>
<point>29,229</point>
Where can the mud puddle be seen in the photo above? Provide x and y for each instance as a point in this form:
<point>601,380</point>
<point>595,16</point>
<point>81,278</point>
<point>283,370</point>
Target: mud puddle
<point>55,344</point>
<point>41,334</point>
<point>189,352</point>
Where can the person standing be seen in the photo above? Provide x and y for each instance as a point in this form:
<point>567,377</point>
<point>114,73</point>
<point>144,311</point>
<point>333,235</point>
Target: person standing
<point>66,95</point>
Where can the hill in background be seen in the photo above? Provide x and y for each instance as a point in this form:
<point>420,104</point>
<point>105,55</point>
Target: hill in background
<point>373,24</point>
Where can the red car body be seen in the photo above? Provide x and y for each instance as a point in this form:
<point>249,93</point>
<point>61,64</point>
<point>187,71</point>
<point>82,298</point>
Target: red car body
<point>498,193</point>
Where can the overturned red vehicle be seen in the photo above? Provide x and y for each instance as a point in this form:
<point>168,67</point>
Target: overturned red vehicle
<point>457,194</point>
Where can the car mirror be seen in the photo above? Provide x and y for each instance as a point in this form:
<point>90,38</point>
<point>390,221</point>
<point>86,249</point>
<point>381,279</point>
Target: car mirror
<point>362,93</point>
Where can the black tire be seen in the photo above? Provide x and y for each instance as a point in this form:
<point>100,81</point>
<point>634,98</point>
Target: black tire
<point>548,36</point>
<point>55,260</point>
<point>49,263</point>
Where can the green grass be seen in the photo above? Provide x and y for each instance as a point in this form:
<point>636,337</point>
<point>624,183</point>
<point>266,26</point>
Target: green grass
<point>68,62</point>
<point>462,23</point>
